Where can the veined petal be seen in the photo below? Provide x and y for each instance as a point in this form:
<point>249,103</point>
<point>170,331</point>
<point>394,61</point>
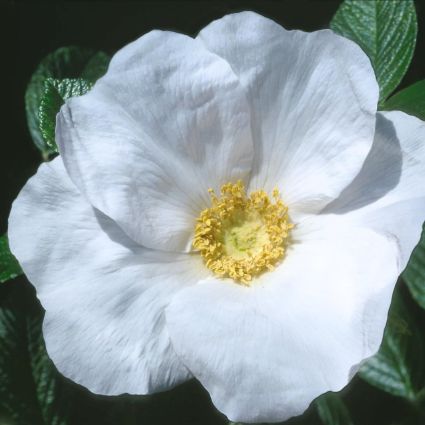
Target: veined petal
<point>388,194</point>
<point>266,351</point>
<point>104,295</point>
<point>167,121</point>
<point>313,99</point>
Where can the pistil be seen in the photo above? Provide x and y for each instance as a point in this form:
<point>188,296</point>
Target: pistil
<point>242,236</point>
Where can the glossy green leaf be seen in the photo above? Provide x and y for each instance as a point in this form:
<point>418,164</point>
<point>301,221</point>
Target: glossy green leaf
<point>65,62</point>
<point>386,31</point>
<point>332,410</point>
<point>54,96</point>
<point>410,100</point>
<point>31,390</point>
<point>9,266</point>
<point>414,274</point>
<point>398,367</point>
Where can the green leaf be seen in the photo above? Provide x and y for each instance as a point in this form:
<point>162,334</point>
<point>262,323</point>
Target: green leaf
<point>332,410</point>
<point>54,96</point>
<point>16,398</point>
<point>398,367</point>
<point>95,67</point>
<point>53,395</point>
<point>65,62</point>
<point>386,31</point>
<point>410,100</point>
<point>9,266</point>
<point>31,390</point>
<point>414,274</point>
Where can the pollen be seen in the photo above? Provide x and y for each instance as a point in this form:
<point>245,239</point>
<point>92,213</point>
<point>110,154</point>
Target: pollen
<point>242,236</point>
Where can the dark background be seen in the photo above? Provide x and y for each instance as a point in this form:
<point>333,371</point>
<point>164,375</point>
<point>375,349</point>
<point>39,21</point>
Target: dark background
<point>34,29</point>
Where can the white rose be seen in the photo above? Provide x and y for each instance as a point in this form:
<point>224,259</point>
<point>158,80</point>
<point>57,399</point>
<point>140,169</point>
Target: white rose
<point>294,294</point>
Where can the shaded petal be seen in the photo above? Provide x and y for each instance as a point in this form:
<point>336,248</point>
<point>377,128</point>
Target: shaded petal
<point>265,352</point>
<point>167,121</point>
<point>388,194</point>
<point>313,100</point>
<point>104,295</point>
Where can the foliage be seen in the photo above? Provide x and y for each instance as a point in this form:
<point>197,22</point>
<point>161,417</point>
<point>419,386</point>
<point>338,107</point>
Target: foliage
<point>332,410</point>
<point>386,31</point>
<point>31,392</point>
<point>9,266</point>
<point>54,95</point>
<point>398,368</point>
<point>410,100</point>
<point>65,62</point>
<point>414,275</point>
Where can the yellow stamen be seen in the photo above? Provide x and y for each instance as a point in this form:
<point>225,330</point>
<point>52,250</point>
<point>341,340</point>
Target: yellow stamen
<point>241,236</point>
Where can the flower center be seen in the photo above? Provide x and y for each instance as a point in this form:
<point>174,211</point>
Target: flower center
<point>241,236</point>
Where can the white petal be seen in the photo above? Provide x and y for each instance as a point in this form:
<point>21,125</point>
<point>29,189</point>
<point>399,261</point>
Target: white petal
<point>265,352</point>
<point>104,295</point>
<point>313,100</point>
<point>167,121</point>
<point>388,194</point>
